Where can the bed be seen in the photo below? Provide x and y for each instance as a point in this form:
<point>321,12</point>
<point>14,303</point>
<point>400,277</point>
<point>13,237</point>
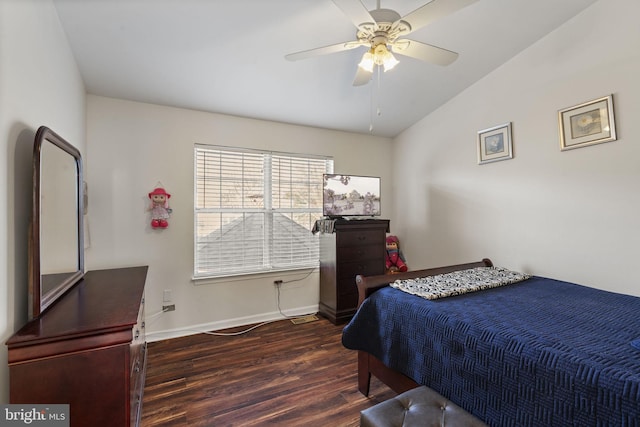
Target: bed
<point>540,352</point>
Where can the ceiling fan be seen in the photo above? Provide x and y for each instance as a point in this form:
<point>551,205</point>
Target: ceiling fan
<point>380,30</point>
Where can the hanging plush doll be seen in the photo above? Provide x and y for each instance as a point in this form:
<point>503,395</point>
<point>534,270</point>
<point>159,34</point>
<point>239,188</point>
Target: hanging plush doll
<point>393,259</point>
<point>159,208</point>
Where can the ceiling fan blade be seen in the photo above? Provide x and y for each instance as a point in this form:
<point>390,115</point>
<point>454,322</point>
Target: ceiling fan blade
<point>362,77</point>
<point>356,12</point>
<point>424,52</point>
<point>334,48</point>
<point>433,11</point>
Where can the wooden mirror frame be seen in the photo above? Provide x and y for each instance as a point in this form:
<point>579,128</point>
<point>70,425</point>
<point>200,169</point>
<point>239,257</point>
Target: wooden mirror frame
<point>41,296</point>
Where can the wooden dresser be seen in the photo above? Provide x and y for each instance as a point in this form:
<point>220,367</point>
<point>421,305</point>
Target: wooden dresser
<point>348,248</point>
<point>87,350</point>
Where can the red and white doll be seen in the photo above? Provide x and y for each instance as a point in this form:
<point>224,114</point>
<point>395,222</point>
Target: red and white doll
<point>159,208</point>
<point>394,261</point>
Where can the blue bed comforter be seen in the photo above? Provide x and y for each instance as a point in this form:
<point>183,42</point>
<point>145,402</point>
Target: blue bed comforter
<point>538,353</point>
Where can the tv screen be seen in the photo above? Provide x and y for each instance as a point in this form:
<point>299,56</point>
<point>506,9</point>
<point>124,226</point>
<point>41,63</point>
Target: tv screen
<point>350,195</point>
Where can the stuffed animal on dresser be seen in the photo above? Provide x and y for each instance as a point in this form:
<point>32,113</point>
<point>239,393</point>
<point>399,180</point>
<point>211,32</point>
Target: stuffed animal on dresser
<point>394,261</point>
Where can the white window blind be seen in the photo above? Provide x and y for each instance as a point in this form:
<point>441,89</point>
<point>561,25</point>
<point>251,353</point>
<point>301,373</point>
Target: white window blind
<point>254,211</point>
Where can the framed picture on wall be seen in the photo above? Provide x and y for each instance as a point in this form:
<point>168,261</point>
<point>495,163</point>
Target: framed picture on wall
<point>587,124</point>
<point>494,144</point>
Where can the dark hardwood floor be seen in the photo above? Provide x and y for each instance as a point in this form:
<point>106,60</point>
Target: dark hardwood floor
<point>278,374</point>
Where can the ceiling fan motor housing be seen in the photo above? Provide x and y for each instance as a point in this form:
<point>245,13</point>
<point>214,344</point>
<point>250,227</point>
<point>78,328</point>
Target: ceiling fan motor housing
<point>387,28</point>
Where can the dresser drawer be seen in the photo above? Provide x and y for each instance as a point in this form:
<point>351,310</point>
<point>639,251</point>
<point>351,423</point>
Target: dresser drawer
<point>137,386</point>
<point>139,339</point>
<point>360,253</point>
<point>359,237</point>
<point>349,270</point>
<point>348,301</point>
<point>138,359</point>
<point>347,287</point>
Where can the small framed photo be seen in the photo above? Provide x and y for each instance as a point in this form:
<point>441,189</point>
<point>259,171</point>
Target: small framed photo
<point>587,124</point>
<point>494,144</point>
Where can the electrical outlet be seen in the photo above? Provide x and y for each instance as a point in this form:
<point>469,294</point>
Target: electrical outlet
<point>166,295</point>
<point>171,307</point>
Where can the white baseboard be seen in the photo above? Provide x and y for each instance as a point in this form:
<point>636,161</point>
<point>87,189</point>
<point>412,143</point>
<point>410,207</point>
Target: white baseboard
<point>227,323</point>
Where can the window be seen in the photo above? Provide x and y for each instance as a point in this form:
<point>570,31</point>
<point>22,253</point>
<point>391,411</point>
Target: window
<point>254,210</point>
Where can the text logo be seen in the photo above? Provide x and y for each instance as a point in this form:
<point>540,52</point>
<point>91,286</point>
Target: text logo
<point>34,415</point>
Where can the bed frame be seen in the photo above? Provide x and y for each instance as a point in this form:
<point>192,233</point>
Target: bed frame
<point>369,365</point>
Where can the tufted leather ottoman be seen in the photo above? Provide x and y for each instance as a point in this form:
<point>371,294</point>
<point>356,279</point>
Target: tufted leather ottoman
<point>419,407</point>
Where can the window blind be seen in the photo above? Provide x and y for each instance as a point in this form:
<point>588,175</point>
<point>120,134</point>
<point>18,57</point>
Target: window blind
<point>254,210</point>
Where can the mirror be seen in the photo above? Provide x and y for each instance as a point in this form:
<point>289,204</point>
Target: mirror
<point>57,249</point>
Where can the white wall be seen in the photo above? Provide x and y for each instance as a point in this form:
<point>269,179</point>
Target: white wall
<point>571,215</point>
<point>39,85</point>
<point>132,146</point>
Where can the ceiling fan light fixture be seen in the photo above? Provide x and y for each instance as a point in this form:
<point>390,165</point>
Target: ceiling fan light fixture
<point>368,61</point>
<point>389,61</point>
<point>383,57</point>
<point>380,56</point>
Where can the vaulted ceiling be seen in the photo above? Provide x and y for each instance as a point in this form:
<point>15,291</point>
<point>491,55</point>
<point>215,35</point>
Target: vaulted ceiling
<point>228,56</point>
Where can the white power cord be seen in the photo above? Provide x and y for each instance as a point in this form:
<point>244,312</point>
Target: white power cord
<point>244,331</point>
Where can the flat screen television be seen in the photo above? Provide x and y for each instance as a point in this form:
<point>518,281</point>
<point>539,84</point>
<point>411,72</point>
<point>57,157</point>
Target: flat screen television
<point>350,195</point>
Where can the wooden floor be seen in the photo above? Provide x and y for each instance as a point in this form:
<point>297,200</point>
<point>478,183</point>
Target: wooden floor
<point>278,374</point>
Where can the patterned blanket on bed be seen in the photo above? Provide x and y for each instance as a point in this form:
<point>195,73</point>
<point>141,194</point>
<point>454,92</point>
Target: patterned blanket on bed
<point>459,282</point>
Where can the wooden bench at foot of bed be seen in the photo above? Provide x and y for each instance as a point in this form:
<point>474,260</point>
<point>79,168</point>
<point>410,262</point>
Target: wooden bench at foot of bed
<point>420,406</point>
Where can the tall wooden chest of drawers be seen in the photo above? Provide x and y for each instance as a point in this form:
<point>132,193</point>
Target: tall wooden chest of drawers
<point>348,248</point>
<point>87,350</point>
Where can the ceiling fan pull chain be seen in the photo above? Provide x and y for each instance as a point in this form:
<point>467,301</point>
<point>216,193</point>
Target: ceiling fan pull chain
<point>379,92</point>
<point>375,98</point>
<point>371,108</point>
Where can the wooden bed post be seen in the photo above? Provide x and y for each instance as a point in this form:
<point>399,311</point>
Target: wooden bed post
<point>364,375</point>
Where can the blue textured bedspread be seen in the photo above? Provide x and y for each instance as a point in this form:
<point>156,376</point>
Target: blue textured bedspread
<point>538,353</point>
